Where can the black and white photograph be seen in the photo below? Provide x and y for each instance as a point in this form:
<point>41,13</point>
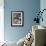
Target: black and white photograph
<point>17,18</point>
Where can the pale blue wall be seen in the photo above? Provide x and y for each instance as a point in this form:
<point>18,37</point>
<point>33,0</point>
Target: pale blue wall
<point>43,6</point>
<point>29,7</point>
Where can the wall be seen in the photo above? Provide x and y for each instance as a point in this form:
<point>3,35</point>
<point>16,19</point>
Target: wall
<point>1,21</point>
<point>42,6</point>
<point>30,7</point>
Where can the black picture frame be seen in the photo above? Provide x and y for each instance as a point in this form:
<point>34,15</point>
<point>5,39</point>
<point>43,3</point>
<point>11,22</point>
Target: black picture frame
<point>17,18</point>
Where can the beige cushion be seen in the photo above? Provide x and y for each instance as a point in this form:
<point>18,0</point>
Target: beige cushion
<point>20,42</point>
<point>11,43</point>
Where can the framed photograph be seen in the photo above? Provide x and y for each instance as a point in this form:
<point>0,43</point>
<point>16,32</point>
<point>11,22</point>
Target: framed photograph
<point>17,18</point>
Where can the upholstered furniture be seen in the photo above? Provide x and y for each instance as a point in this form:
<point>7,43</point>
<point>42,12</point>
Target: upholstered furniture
<point>26,41</point>
<point>39,33</point>
<point>39,36</point>
<point>8,43</point>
